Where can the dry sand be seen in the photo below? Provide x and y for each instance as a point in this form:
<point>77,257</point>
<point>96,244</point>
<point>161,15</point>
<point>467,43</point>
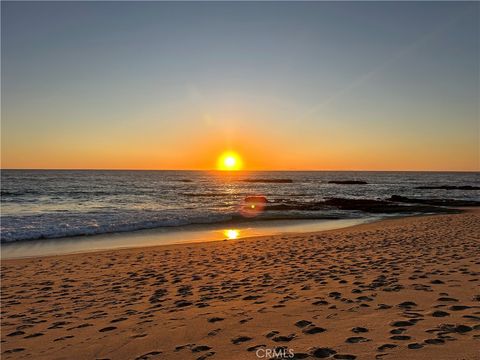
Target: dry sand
<point>396,289</point>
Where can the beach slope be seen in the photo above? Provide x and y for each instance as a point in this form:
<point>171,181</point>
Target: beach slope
<point>404,288</point>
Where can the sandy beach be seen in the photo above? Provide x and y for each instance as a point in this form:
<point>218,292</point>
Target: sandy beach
<point>405,288</point>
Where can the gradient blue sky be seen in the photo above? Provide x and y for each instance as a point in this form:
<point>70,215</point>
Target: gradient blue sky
<point>288,85</point>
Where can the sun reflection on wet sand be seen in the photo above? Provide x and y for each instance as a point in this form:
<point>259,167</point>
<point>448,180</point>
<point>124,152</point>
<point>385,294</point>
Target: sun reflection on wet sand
<point>231,233</point>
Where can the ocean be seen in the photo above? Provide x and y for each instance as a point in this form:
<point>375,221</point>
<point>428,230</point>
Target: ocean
<point>47,204</point>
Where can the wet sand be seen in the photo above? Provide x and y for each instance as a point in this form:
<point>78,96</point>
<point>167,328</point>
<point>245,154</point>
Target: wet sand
<point>395,289</point>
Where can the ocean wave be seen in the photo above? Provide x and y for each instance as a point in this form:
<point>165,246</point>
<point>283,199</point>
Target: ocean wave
<point>59,225</point>
<point>268,181</point>
<point>209,194</point>
<point>18,193</point>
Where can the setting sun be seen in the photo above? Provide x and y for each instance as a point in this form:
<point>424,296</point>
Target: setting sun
<point>229,161</point>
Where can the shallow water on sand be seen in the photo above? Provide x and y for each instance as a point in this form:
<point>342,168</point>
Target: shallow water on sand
<point>169,236</point>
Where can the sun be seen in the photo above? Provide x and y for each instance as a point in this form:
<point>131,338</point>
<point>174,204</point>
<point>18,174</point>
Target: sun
<point>229,161</point>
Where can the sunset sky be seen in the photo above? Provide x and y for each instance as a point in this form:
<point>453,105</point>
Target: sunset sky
<point>286,85</point>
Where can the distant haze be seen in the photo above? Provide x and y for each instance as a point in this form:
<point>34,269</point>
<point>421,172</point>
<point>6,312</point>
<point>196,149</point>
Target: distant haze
<point>286,85</point>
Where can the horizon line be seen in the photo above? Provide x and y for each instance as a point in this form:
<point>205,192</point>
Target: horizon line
<point>237,171</point>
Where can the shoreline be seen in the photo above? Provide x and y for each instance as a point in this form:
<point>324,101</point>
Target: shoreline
<point>202,233</point>
<point>195,234</point>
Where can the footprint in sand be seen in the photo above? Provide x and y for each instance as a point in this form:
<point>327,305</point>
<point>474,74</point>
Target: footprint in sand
<point>240,339</point>
<point>33,335</point>
<point>459,307</point>
<point>323,352</point>
<point>400,337</point>
<point>108,328</point>
<point>206,355</point>
<point>435,341</point>
<point>312,329</point>
<point>344,357</point>
<point>386,347</point>
<point>181,347</point>
<point>256,347</point>
<point>148,355</point>
<point>214,332</point>
<point>272,334</point>
<point>356,339</point>
<point>200,348</point>
<point>358,330</point>
<point>11,351</point>
<point>402,323</point>
<point>16,333</point>
<point>320,302</point>
<point>283,338</point>
<point>302,323</point>
<point>64,338</point>
<point>447,299</point>
<point>462,328</point>
<point>215,319</point>
<point>439,313</point>
<point>118,320</point>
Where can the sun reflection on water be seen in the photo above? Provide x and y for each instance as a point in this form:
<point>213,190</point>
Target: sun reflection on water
<point>231,233</point>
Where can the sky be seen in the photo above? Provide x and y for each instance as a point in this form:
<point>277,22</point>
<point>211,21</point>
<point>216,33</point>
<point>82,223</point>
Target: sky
<point>286,85</point>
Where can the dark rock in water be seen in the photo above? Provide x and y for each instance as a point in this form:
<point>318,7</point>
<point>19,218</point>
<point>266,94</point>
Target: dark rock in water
<point>450,187</point>
<point>268,181</point>
<point>256,199</point>
<point>380,206</point>
<point>295,205</point>
<point>434,202</point>
<point>348,182</point>
<point>253,205</point>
